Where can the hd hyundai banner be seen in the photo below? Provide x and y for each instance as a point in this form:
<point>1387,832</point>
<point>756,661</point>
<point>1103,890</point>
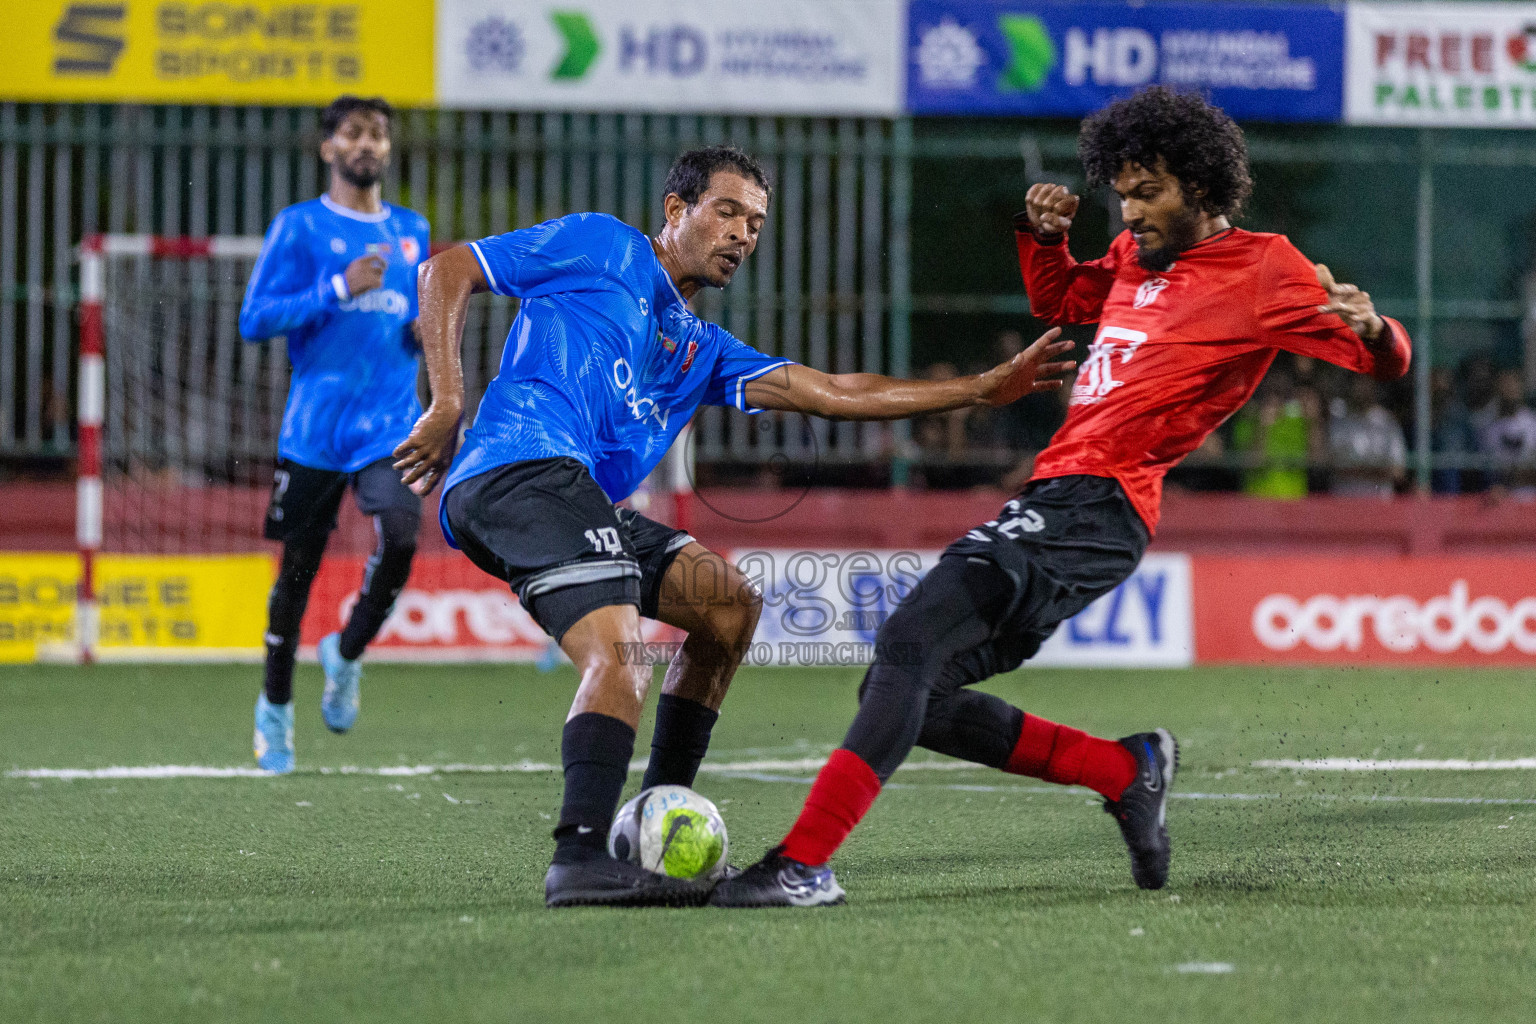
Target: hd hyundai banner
<point>752,56</point>
<point>1271,62</point>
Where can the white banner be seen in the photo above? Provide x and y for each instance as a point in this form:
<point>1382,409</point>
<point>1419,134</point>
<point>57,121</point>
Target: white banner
<point>748,56</point>
<point>1466,65</point>
<point>826,607</point>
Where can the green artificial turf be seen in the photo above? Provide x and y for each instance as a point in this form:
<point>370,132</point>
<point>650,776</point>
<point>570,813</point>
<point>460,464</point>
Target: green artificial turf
<point>973,896</point>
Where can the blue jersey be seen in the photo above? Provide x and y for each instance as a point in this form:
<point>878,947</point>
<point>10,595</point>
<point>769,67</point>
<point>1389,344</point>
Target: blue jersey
<point>352,398</point>
<point>605,363</point>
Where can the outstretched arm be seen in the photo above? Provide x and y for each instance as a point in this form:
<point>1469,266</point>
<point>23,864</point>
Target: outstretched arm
<point>870,396</point>
<point>444,286</point>
<point>1304,310</point>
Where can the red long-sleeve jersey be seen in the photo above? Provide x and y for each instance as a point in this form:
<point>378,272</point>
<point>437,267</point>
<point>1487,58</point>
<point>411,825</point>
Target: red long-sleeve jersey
<point>1177,352</point>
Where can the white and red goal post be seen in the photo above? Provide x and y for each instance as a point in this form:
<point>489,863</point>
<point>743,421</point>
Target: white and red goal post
<point>120,277</point>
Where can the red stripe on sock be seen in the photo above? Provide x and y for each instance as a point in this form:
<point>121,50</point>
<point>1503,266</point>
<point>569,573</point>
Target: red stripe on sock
<point>842,794</point>
<point>1071,757</point>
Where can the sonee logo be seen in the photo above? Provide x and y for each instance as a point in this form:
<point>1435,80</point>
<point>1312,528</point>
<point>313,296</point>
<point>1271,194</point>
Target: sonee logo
<point>86,40</point>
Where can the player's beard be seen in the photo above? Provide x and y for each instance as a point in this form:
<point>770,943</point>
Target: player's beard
<point>361,175</point>
<point>1181,233</point>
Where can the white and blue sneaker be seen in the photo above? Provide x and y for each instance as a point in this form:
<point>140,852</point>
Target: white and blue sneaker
<point>274,736</point>
<point>343,685</point>
<point>778,881</point>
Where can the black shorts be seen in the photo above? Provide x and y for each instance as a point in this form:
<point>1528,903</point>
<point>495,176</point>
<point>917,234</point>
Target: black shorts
<point>1064,542</point>
<point>305,500</point>
<point>547,529</point>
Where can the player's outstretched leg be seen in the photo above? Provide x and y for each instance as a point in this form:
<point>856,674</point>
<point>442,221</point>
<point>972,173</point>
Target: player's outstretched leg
<point>285,610</point>
<point>383,579</point>
<point>952,610</point>
<point>1133,774</point>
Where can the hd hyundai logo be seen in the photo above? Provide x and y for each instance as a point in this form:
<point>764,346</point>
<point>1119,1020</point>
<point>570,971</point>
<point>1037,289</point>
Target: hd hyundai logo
<point>89,38</point>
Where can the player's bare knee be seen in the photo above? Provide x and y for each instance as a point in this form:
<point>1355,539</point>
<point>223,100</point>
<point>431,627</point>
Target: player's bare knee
<point>732,624</point>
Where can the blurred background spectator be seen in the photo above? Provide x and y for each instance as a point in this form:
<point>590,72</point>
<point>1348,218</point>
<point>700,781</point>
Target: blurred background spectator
<point>1278,432</point>
<point>1367,453</point>
<point>1509,437</point>
<point>1450,435</point>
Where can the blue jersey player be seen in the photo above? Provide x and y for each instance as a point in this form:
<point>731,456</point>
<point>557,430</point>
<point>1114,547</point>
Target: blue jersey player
<point>337,278</point>
<point>604,365</point>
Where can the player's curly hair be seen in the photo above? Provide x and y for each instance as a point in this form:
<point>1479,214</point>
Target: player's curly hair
<point>691,173</point>
<point>1198,143</point>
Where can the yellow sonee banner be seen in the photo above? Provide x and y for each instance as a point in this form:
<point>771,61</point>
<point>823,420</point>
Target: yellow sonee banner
<point>188,51</point>
<point>152,607</point>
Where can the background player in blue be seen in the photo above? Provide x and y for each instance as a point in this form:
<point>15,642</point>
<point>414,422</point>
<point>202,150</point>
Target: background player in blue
<point>337,277</point>
<point>603,366</point>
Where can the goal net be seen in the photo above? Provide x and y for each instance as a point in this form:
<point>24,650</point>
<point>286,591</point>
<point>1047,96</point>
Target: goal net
<point>179,425</point>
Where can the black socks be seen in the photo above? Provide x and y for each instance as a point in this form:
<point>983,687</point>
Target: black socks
<point>679,742</point>
<point>595,751</point>
<point>388,569</point>
<point>285,610</point>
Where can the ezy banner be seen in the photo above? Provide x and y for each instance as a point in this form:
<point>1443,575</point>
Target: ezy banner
<point>1270,62</point>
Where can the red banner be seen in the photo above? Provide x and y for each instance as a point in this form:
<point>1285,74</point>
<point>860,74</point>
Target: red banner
<point>448,610</point>
<point>1321,610</point>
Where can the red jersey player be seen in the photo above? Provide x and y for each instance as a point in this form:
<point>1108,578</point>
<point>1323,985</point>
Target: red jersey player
<point>1191,313</point>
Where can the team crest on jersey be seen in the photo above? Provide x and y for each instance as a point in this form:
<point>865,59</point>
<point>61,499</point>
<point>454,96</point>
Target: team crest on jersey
<point>1150,289</point>
<point>671,346</point>
<point>411,250</point>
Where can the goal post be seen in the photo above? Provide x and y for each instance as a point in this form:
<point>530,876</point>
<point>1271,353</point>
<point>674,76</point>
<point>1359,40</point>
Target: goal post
<point>159,352</point>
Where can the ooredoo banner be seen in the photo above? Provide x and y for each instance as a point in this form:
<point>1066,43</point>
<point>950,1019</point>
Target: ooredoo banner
<point>1445,611</point>
<point>1465,65</point>
<point>758,56</point>
<point>1271,62</point>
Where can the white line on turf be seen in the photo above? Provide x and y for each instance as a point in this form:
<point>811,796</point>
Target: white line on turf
<point>1197,967</point>
<point>1408,764</point>
<point>756,771</point>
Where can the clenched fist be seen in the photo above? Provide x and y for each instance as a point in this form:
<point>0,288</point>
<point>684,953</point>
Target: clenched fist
<point>1050,208</point>
<point>364,274</point>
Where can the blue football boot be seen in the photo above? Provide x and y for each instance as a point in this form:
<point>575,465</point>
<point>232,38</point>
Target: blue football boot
<point>274,736</point>
<point>343,685</point>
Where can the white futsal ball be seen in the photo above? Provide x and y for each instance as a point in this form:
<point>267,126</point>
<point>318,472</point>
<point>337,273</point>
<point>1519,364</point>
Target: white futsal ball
<point>670,830</point>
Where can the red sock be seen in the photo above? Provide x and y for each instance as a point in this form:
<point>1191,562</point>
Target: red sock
<point>843,791</point>
<point>1059,753</point>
